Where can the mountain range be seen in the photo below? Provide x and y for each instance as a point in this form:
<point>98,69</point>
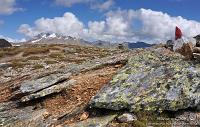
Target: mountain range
<point>54,38</point>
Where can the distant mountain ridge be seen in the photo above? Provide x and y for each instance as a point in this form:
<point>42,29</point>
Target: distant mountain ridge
<point>43,37</point>
<point>54,38</point>
<point>138,45</point>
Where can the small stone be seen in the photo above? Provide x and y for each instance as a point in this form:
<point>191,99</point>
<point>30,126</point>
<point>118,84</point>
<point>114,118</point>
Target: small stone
<point>84,116</point>
<point>46,114</point>
<point>126,118</point>
<point>118,66</point>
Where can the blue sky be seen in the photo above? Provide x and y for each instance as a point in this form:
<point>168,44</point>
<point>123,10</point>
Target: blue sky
<point>100,20</point>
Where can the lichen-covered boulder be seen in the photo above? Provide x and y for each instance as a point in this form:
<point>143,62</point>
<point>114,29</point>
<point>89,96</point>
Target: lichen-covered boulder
<point>155,80</point>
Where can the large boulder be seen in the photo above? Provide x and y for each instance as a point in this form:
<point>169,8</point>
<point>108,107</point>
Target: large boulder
<point>154,80</point>
<point>4,43</point>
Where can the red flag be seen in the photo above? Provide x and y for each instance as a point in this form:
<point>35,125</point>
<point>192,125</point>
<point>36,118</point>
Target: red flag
<point>178,33</point>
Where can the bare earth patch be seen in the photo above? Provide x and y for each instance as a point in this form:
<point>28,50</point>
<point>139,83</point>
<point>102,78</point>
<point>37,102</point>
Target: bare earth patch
<point>72,100</point>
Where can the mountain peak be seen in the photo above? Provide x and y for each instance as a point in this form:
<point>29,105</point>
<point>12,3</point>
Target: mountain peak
<point>50,36</point>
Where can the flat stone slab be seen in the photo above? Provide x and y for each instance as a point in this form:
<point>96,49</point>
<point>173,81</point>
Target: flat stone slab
<point>50,90</point>
<point>42,83</point>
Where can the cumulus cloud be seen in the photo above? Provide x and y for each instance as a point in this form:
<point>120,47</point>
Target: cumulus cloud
<point>146,25</point>
<point>8,7</point>
<point>94,4</point>
<point>161,25</point>
<point>68,24</point>
<point>120,25</point>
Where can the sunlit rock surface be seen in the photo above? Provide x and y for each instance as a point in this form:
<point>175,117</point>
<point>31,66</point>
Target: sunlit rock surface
<point>153,80</point>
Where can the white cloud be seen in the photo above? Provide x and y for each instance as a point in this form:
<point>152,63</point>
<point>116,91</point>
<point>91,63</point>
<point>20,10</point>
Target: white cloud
<point>103,6</point>
<point>8,7</point>
<point>68,24</point>
<point>69,3</point>
<point>161,25</point>
<point>94,4</point>
<point>119,25</point>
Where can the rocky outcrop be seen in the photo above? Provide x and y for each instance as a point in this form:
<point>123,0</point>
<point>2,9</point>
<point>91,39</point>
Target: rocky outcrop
<point>154,80</point>
<point>30,106</point>
<point>55,82</point>
<point>4,43</point>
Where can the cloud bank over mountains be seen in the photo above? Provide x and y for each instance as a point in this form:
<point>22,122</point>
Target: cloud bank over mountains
<point>119,25</point>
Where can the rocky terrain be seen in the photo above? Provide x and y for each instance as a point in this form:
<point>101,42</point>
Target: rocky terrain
<point>55,85</point>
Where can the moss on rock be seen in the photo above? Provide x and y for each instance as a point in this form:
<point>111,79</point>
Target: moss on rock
<point>152,80</point>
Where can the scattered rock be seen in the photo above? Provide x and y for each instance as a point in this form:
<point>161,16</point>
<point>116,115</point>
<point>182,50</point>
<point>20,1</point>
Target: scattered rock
<point>84,116</point>
<point>126,118</point>
<point>152,81</point>
<point>4,43</point>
